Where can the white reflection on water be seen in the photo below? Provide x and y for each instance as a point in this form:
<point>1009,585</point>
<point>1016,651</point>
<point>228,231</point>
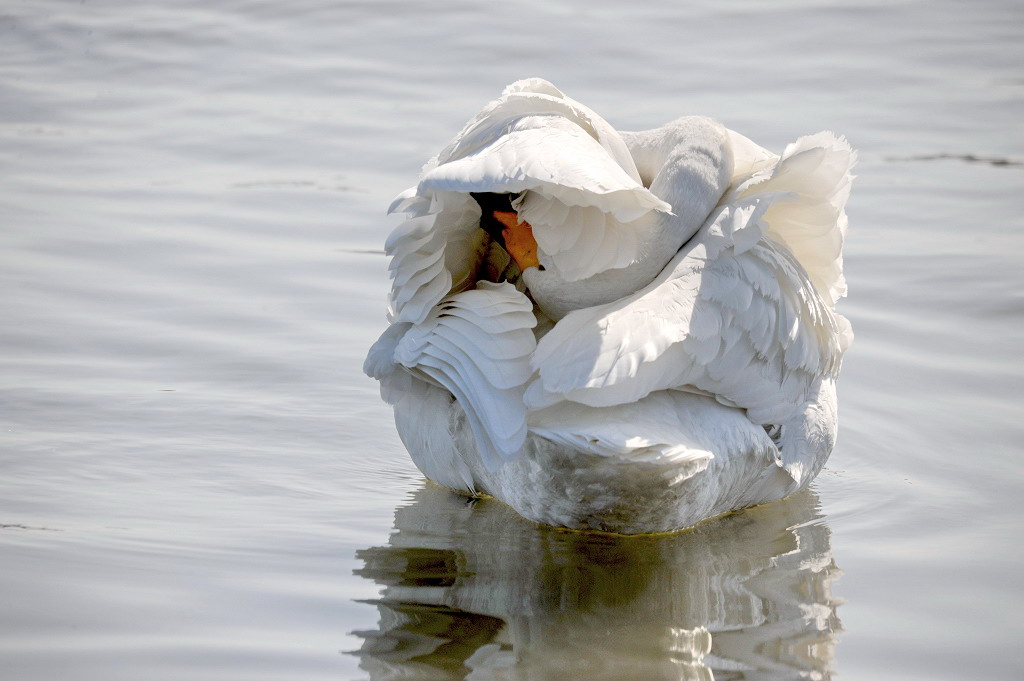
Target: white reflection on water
<point>472,590</point>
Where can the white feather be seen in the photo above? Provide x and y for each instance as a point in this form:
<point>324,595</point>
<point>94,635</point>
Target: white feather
<point>448,348</point>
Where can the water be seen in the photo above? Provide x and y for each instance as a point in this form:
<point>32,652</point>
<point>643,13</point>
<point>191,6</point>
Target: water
<point>197,479</point>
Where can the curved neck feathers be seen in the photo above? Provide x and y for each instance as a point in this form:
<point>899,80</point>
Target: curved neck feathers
<point>688,163</point>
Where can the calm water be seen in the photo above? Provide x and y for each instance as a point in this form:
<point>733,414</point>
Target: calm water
<point>196,481</point>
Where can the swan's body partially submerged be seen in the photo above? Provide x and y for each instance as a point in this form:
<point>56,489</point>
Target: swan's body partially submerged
<point>660,347</point>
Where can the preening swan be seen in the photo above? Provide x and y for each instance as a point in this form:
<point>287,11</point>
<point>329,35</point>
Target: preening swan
<point>628,332</point>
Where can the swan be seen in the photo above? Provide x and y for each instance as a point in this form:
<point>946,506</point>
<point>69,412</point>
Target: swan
<point>628,332</point>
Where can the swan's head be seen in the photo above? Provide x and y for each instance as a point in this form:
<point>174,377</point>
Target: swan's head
<point>501,221</point>
<point>554,294</point>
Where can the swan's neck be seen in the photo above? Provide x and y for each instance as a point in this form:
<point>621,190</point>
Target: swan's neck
<point>688,163</point>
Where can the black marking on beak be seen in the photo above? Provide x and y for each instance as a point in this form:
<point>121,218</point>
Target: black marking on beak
<point>489,203</point>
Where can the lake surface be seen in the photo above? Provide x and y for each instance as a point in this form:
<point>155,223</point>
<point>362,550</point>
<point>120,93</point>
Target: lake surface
<point>197,481</point>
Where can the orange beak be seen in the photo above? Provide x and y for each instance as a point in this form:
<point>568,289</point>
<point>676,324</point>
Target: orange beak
<point>519,241</point>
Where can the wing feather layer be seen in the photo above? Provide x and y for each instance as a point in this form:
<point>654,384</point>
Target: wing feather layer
<point>743,325</point>
<point>477,345</point>
<point>433,254</point>
<point>814,174</point>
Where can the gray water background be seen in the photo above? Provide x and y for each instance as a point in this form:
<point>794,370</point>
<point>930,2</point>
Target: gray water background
<point>197,481</point>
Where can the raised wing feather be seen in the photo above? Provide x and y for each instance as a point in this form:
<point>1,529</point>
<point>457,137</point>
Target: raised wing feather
<point>533,97</point>
<point>436,251</point>
<point>552,156</point>
<point>813,178</point>
<point>477,345</point>
<point>573,193</point>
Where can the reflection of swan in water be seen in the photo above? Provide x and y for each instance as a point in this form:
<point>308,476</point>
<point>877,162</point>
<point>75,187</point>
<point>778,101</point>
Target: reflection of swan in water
<point>473,591</point>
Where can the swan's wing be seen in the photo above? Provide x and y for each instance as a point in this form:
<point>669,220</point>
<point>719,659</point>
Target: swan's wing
<point>743,325</point>
<point>571,190</point>
<point>438,250</point>
<point>813,176</point>
<point>477,345</point>
<point>533,97</point>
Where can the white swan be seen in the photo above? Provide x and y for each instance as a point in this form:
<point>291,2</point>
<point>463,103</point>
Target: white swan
<point>660,347</point>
